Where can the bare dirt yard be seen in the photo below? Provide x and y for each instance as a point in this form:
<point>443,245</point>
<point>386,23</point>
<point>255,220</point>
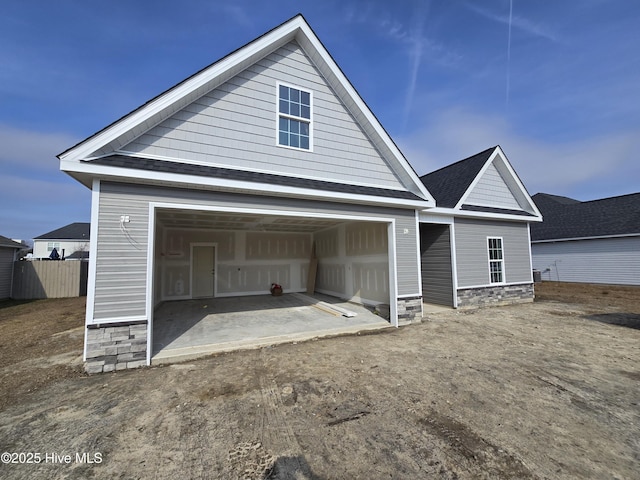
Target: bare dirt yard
<point>548,390</point>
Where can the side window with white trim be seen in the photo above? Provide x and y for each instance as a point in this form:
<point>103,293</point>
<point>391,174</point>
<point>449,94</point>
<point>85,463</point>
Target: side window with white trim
<point>294,117</point>
<point>496,259</point>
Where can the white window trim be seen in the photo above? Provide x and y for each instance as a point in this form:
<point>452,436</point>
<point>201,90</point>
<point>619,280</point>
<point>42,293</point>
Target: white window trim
<point>293,117</point>
<point>489,260</point>
<point>53,245</point>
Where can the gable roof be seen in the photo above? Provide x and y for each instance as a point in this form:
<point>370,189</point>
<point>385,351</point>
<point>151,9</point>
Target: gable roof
<point>449,183</point>
<point>566,218</point>
<point>73,231</point>
<point>76,161</point>
<point>8,243</point>
<point>453,185</point>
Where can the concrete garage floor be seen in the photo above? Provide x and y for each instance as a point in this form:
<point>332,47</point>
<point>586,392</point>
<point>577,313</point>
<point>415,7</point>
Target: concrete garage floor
<point>188,329</point>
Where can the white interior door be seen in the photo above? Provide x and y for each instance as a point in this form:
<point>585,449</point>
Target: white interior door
<point>203,270</point>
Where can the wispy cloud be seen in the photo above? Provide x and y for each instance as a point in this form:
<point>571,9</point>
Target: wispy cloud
<point>43,198</point>
<point>412,34</point>
<point>604,165</point>
<point>31,149</point>
<point>516,21</point>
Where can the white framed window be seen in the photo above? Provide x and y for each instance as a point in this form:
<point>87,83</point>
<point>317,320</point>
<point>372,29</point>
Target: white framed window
<point>52,245</point>
<point>496,259</point>
<point>295,107</point>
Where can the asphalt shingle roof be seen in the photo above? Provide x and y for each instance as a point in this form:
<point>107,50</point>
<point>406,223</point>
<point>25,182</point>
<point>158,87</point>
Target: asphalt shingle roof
<point>7,242</point>
<point>448,184</point>
<point>568,218</point>
<point>73,231</point>
<point>141,163</point>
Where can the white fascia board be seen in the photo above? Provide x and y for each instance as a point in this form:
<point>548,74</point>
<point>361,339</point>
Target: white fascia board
<point>457,213</point>
<point>179,180</point>
<point>364,110</point>
<point>267,42</point>
<point>601,237</point>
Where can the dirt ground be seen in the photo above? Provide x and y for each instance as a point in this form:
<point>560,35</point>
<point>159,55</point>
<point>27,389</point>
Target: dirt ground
<point>545,390</point>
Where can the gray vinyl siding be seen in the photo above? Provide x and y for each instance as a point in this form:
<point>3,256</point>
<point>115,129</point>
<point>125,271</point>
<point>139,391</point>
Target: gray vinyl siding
<point>472,255</point>
<point>235,125</point>
<point>435,262</point>
<point>606,260</point>
<point>407,254</point>
<point>122,256</point>
<point>6,271</point>
<point>491,190</point>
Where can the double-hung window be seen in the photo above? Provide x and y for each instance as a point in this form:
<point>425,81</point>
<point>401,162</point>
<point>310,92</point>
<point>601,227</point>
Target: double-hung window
<point>294,117</point>
<point>496,259</point>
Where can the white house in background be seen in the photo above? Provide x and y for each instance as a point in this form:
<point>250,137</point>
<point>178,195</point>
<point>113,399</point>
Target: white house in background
<point>71,242</point>
<point>588,242</point>
<point>228,181</point>
<point>8,251</point>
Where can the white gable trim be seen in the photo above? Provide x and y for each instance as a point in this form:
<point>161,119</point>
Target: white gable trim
<point>201,83</point>
<point>151,114</point>
<point>513,176</point>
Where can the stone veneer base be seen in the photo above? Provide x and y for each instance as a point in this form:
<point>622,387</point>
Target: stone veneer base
<point>409,310</point>
<point>116,347</point>
<point>495,295</point>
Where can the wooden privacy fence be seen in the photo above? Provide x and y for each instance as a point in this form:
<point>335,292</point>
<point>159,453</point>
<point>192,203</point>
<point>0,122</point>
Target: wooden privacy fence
<point>49,279</point>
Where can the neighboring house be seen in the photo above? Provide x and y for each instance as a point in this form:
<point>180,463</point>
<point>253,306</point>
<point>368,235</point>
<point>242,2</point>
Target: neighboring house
<point>588,242</point>
<point>270,154</point>
<point>8,251</point>
<point>71,242</point>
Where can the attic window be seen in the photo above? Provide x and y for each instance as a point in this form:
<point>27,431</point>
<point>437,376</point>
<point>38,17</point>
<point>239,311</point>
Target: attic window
<point>294,117</point>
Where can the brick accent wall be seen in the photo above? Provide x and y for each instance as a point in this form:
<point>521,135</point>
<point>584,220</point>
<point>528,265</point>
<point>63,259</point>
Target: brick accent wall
<point>409,310</point>
<point>495,295</point>
<point>116,347</point>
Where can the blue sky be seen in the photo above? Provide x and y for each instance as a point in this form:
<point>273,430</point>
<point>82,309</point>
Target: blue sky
<point>556,84</point>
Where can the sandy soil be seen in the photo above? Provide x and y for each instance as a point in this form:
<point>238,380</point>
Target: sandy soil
<point>543,390</point>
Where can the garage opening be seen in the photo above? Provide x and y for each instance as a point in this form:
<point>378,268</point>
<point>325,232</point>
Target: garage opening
<point>436,265</point>
<point>213,274</point>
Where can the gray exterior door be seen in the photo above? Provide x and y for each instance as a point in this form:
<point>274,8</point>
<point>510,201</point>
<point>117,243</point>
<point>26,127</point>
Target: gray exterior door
<point>203,260</point>
<point>435,264</point>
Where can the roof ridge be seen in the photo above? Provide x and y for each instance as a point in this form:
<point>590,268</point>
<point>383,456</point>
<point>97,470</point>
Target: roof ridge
<point>614,197</point>
<point>460,161</point>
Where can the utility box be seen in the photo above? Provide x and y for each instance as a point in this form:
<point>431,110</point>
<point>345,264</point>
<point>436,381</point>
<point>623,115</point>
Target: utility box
<point>537,276</point>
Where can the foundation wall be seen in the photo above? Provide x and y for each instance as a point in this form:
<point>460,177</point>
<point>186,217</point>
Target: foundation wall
<point>495,295</point>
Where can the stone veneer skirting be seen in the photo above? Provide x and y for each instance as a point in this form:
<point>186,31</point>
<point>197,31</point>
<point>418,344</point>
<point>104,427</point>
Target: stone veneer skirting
<point>409,310</point>
<point>116,347</point>
<point>495,295</point>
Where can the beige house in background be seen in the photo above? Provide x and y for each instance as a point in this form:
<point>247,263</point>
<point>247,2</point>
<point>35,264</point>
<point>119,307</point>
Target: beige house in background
<point>71,241</point>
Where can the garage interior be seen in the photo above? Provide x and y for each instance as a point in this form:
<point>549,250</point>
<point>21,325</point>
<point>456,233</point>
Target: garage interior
<point>213,273</point>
